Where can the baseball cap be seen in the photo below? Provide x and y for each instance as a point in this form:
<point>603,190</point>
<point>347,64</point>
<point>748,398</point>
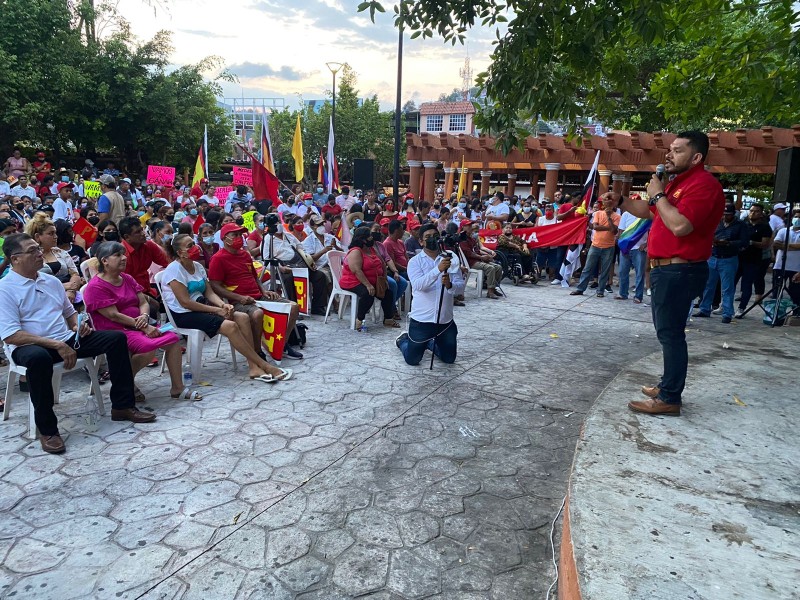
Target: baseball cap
<point>384,221</point>
<point>231,228</point>
<point>40,154</point>
<point>464,222</point>
<point>780,205</point>
<point>63,185</point>
<point>730,209</point>
<point>308,196</point>
<point>410,195</point>
<point>414,225</point>
<point>107,179</point>
<point>126,180</point>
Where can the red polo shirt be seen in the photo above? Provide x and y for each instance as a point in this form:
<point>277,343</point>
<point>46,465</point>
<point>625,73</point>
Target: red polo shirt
<point>236,272</point>
<point>397,252</point>
<point>698,196</point>
<point>140,259</point>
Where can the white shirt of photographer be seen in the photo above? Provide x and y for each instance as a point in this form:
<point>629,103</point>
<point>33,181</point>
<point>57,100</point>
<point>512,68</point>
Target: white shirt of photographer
<point>426,281</point>
<point>283,249</point>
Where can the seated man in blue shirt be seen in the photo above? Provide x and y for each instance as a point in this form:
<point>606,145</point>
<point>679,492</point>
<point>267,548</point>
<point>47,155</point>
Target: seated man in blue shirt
<point>431,326</point>
<point>39,324</point>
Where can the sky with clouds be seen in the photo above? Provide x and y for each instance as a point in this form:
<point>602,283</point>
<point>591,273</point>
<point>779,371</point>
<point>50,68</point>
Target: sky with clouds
<point>279,49</point>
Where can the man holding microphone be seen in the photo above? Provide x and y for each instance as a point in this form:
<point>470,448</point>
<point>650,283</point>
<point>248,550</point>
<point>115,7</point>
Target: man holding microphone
<point>685,213</point>
<point>431,326</point>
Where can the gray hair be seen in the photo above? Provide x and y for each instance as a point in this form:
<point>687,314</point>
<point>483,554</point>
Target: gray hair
<point>105,250</point>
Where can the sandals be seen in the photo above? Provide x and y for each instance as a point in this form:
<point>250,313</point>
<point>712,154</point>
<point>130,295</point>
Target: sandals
<point>103,377</point>
<point>391,323</point>
<point>286,375</point>
<point>186,394</point>
<point>138,396</point>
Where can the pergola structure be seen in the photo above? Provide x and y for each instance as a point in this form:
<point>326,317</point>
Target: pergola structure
<point>623,154</point>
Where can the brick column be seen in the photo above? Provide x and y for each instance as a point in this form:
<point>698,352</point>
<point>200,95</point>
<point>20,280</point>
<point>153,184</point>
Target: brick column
<point>430,179</point>
<point>627,182</point>
<point>604,179</point>
<point>449,178</point>
<point>485,177</point>
<point>415,172</point>
<point>512,184</point>
<point>551,179</point>
<point>616,182</point>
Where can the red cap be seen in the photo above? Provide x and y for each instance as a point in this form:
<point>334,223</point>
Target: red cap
<point>410,195</point>
<point>464,223</point>
<point>62,185</point>
<point>231,228</point>
<point>308,196</point>
<point>384,221</point>
<point>40,154</point>
<point>414,225</point>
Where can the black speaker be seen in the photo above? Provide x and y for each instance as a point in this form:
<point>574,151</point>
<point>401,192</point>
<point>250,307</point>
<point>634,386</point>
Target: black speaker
<point>787,176</point>
<point>364,174</point>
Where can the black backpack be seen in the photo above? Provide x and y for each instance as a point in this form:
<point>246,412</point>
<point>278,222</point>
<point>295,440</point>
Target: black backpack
<point>298,335</point>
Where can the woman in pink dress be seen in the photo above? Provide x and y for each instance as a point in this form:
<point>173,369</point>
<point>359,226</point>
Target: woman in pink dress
<point>116,302</point>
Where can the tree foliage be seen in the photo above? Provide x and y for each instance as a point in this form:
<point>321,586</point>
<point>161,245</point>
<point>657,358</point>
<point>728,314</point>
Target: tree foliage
<point>644,63</point>
<point>67,93</point>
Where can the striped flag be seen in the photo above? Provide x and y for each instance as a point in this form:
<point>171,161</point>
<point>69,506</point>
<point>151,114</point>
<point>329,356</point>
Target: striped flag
<point>333,168</point>
<point>265,154</point>
<point>632,234</point>
<point>321,174</point>
<point>591,180</point>
<point>201,166</point>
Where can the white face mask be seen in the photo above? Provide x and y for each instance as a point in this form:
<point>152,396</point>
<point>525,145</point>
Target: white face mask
<point>320,230</point>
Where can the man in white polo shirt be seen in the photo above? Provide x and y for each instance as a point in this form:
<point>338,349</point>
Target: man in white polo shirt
<point>497,211</point>
<point>39,324</point>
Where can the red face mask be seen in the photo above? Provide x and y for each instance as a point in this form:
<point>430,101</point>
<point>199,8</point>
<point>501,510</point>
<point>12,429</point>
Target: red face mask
<point>298,227</point>
<point>194,253</point>
<point>237,243</point>
<point>548,214</point>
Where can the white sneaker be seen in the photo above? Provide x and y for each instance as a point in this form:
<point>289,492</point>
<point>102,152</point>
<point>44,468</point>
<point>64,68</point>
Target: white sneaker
<point>648,291</point>
<point>739,314</point>
<point>564,284</point>
<point>717,311</point>
<point>555,282</point>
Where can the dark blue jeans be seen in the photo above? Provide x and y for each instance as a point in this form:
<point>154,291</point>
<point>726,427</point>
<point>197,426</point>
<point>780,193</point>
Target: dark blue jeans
<point>421,337</point>
<point>673,289</point>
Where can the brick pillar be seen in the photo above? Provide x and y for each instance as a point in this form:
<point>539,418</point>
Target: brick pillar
<point>604,180</point>
<point>551,179</point>
<point>616,182</point>
<point>430,179</point>
<point>449,178</point>
<point>512,184</point>
<point>415,172</point>
<point>627,182</point>
<point>535,184</point>
<point>485,177</point>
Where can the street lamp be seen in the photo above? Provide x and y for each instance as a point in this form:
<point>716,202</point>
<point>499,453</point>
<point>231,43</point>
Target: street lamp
<point>398,119</point>
<point>334,68</point>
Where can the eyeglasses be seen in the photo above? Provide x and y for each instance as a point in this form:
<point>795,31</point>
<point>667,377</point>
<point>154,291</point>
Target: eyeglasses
<point>31,252</point>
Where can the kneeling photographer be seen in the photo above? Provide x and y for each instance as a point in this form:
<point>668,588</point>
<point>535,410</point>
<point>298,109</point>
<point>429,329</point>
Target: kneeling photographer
<point>283,250</point>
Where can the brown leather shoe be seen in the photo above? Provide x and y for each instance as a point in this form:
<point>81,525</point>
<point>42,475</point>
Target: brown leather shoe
<point>654,406</point>
<point>651,391</point>
<point>52,443</point>
<point>132,414</point>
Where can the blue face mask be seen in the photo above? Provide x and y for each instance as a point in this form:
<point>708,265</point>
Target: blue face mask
<point>796,222</point>
<point>193,212</point>
<point>319,190</point>
<point>462,205</point>
<point>357,222</point>
<point>167,237</point>
<point>309,202</point>
<point>409,202</point>
<point>261,225</point>
<point>208,239</point>
<point>381,197</point>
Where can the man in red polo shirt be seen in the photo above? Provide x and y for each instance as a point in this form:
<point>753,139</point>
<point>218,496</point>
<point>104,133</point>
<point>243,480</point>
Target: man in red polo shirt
<point>394,245</point>
<point>234,278</point>
<point>141,253</point>
<point>685,214</point>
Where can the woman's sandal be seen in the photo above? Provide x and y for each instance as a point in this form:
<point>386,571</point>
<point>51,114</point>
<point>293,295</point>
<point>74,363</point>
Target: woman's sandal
<point>391,323</point>
<point>285,375</point>
<point>186,394</point>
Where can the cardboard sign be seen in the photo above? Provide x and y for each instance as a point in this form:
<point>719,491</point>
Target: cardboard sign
<point>275,324</point>
<point>157,175</point>
<point>300,277</point>
<point>91,189</point>
<point>248,221</point>
<point>242,176</point>
<point>223,192</point>
<point>85,230</point>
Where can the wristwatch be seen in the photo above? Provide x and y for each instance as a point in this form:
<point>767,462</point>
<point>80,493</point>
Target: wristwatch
<point>656,198</point>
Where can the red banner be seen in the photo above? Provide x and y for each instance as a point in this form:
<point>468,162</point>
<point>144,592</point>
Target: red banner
<point>565,233</point>
<point>300,276</point>
<point>85,230</point>
<point>276,320</point>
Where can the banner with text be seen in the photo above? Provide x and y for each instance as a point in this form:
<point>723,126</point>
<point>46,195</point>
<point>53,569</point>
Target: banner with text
<point>157,175</point>
<point>300,276</point>
<point>222,193</point>
<point>91,189</point>
<point>565,233</point>
<point>85,230</point>
<point>274,328</point>
<point>243,176</point>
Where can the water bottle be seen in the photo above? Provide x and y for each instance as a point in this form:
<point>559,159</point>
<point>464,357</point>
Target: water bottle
<point>187,377</point>
<point>92,415</point>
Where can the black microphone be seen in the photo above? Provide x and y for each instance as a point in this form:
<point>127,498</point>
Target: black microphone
<point>660,170</point>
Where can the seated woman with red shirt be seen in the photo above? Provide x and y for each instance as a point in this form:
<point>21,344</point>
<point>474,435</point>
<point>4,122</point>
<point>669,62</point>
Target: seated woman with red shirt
<point>360,271</point>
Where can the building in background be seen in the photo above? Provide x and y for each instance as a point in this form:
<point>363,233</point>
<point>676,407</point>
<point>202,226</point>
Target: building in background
<point>447,117</point>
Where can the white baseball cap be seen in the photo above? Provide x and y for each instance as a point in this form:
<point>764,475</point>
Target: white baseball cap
<point>780,205</point>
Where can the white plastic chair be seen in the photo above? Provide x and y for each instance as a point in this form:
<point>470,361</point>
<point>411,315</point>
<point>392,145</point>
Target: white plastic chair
<point>478,280</point>
<point>15,372</point>
<point>195,339</point>
<point>335,259</point>
<point>89,269</point>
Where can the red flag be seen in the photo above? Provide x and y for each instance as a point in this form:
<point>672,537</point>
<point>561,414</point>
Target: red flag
<point>265,184</point>
<point>198,222</point>
<point>565,233</point>
<point>85,230</point>
<point>276,321</point>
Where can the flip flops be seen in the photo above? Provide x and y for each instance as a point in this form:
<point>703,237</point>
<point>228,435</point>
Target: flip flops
<point>187,394</point>
<point>286,375</point>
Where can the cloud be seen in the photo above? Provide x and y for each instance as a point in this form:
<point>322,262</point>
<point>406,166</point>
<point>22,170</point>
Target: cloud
<point>249,70</point>
<point>205,33</point>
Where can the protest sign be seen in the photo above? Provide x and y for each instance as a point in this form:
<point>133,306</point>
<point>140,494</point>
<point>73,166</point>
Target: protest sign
<point>91,189</point>
<point>222,193</point>
<point>242,176</point>
<point>85,230</point>
<point>275,324</point>
<point>248,221</point>
<point>157,175</point>
<point>300,276</point>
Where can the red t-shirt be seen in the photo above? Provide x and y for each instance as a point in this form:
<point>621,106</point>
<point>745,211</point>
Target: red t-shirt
<point>236,272</point>
<point>334,210</point>
<point>563,209</point>
<point>397,252</point>
<point>140,259</point>
<point>698,196</point>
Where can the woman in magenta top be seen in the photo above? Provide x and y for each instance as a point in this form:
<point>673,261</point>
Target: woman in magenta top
<point>116,302</point>
<point>360,272</point>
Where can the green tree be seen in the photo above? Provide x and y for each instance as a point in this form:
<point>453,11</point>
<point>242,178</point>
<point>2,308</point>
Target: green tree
<point>723,60</point>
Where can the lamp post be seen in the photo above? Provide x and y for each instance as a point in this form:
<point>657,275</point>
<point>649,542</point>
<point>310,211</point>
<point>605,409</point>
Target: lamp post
<point>398,119</point>
<point>334,68</point>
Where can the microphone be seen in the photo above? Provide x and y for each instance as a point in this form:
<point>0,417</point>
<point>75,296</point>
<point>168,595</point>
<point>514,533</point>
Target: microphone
<point>660,170</point>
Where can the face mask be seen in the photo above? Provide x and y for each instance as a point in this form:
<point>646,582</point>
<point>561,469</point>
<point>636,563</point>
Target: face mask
<point>169,218</point>
<point>167,237</point>
<point>369,242</point>
<point>548,214</point>
<point>381,197</point>
<point>20,206</point>
<point>309,202</point>
<point>320,230</point>
<point>319,190</point>
<point>93,220</point>
<point>140,213</point>
<point>436,206</point>
<point>331,202</point>
<point>409,202</point>
<point>111,236</point>
<point>796,222</point>
<point>237,243</point>
<point>208,239</point>
<point>377,236</point>
<point>261,225</point>
<point>357,222</point>
<point>475,236</point>
<point>432,243</point>
<point>65,178</point>
<point>193,212</point>
<point>194,253</point>
<point>298,227</point>
<point>462,205</point>
<point>289,202</point>
<point>526,209</point>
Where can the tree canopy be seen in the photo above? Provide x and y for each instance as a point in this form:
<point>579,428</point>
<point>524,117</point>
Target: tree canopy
<point>69,91</point>
<point>636,63</point>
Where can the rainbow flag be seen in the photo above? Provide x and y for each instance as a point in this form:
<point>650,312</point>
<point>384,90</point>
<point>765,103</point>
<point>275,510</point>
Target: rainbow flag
<point>633,233</point>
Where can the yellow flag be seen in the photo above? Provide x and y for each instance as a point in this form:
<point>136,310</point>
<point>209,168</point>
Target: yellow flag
<point>462,180</point>
<point>297,152</point>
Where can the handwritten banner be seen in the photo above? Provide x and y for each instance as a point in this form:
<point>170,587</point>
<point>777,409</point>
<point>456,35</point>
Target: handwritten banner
<point>248,221</point>
<point>300,276</point>
<point>243,176</point>
<point>565,233</point>
<point>157,175</point>
<point>223,192</point>
<point>91,189</point>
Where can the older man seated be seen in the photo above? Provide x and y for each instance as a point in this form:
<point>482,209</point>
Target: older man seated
<point>40,326</point>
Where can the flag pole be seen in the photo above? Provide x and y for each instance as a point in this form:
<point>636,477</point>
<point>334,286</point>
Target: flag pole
<point>255,159</point>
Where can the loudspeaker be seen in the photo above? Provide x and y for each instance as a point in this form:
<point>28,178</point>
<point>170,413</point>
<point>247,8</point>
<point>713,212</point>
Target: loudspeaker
<point>787,176</point>
<point>364,174</point>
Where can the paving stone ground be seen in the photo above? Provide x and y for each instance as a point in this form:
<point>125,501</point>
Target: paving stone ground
<point>362,477</point>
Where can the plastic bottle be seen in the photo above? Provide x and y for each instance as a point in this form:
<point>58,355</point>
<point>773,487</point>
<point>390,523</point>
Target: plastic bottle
<point>187,376</point>
<point>92,415</point>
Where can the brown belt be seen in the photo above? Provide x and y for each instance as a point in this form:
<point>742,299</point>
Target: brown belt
<point>662,262</point>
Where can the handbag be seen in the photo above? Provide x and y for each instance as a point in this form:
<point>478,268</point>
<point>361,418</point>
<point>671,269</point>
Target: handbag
<point>381,286</point>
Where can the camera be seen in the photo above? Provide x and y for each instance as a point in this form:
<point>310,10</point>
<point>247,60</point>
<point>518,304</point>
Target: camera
<point>452,240</point>
<point>271,223</point>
